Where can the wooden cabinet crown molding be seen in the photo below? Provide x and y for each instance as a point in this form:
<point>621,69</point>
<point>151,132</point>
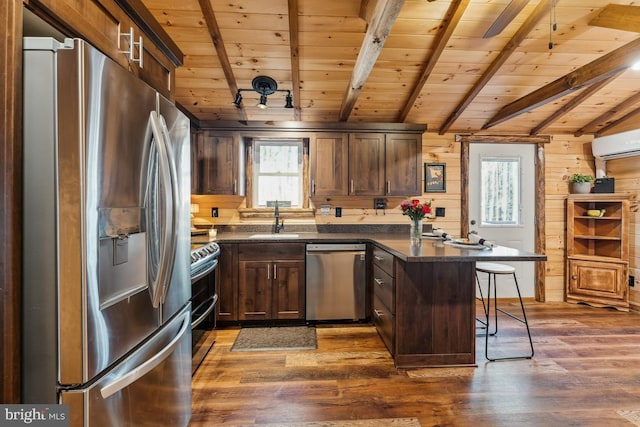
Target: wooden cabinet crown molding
<point>258,126</point>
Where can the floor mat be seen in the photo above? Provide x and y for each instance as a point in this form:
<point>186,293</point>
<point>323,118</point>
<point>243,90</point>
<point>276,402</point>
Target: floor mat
<point>276,338</point>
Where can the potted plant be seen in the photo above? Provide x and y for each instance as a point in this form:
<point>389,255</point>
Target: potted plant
<point>580,183</point>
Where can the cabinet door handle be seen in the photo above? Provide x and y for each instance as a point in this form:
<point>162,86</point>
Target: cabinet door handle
<point>379,282</point>
<point>313,186</point>
<point>574,277</point>
<point>235,186</point>
<point>351,186</point>
<point>269,272</point>
<point>378,258</point>
<point>378,313</point>
<point>275,272</point>
<point>388,187</point>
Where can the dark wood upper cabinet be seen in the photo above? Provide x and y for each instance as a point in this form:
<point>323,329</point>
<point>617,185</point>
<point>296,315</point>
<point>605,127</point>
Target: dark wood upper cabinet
<point>366,164</point>
<point>402,164</point>
<point>329,165</point>
<point>384,164</point>
<point>218,165</point>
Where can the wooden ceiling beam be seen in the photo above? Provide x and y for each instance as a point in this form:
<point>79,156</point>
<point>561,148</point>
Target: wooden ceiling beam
<point>533,19</point>
<point>618,17</point>
<point>593,72</point>
<point>384,16</point>
<point>216,38</point>
<point>577,100</point>
<point>294,45</point>
<point>610,128</point>
<point>450,21</point>
<point>594,125</point>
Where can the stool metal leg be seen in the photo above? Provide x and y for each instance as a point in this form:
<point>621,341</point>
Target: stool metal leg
<point>484,305</point>
<point>496,309</point>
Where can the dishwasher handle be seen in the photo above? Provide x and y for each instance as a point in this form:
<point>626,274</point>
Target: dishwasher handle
<point>335,247</point>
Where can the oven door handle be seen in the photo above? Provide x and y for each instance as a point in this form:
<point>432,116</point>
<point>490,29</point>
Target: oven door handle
<point>209,309</point>
<point>203,273</point>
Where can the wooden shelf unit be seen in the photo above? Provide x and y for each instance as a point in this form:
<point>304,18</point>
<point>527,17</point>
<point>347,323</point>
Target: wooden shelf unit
<point>598,250</point>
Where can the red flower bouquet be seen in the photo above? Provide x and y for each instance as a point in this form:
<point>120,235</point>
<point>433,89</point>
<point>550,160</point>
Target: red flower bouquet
<point>414,209</point>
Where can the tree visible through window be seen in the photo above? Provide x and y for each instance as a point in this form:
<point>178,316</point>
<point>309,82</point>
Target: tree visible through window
<point>500,197</point>
<point>277,173</point>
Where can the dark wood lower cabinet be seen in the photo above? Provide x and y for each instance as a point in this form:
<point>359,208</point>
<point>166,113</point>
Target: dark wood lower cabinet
<point>271,281</point>
<point>227,276</point>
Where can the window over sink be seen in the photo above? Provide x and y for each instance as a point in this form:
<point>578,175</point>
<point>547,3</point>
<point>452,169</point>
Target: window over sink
<point>277,169</point>
<point>278,173</point>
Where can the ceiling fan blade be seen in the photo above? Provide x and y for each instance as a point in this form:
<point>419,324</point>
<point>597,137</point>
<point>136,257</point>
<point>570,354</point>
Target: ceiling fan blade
<point>507,15</point>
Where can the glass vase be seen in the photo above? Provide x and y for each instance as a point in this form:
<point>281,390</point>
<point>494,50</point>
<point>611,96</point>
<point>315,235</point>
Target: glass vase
<point>415,232</point>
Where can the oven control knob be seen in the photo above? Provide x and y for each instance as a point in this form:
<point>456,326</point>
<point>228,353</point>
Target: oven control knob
<point>194,257</point>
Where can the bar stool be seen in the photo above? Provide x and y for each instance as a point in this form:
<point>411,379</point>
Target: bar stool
<point>493,270</point>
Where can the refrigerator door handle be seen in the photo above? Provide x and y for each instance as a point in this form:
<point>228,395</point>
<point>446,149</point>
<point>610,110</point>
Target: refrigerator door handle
<point>141,370</point>
<point>175,204</point>
<point>164,267</point>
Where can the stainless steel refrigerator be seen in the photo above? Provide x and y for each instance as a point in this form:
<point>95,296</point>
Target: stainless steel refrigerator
<point>106,288</point>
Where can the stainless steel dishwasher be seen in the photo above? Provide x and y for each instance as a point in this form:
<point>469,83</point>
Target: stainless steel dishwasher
<point>336,281</point>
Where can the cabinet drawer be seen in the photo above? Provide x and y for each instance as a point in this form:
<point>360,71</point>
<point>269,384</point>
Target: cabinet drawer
<point>385,323</point>
<point>384,288</point>
<point>271,251</point>
<point>384,260</point>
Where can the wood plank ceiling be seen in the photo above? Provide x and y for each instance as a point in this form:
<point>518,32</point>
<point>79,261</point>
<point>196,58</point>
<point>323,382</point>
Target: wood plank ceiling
<point>413,61</point>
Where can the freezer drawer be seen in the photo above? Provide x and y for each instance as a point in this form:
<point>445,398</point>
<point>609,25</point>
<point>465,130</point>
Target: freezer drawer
<point>151,387</point>
<point>336,282</point>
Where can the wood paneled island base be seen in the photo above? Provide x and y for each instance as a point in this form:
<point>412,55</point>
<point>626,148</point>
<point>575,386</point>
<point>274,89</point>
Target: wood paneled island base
<point>430,321</point>
<point>435,317</point>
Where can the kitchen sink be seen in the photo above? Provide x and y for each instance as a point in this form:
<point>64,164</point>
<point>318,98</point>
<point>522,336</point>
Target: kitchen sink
<point>275,236</point>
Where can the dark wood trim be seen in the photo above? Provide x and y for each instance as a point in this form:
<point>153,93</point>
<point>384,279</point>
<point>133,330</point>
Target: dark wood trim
<point>141,16</point>
<point>540,223</point>
<point>11,183</point>
<point>540,226</point>
<point>313,126</point>
<point>505,139</point>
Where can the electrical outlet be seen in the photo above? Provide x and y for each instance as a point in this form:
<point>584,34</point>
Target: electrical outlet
<point>214,212</point>
<point>338,212</point>
<point>632,281</point>
<point>440,212</point>
<point>380,203</point>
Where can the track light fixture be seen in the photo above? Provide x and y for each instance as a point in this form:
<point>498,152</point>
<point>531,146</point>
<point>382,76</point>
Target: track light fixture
<point>265,86</point>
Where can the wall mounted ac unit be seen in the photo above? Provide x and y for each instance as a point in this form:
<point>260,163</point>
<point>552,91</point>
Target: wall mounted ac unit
<point>617,146</point>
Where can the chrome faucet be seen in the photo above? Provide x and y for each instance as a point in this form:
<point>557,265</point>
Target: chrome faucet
<point>279,225</point>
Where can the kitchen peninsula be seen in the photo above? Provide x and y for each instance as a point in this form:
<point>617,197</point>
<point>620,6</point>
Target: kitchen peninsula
<point>424,308</point>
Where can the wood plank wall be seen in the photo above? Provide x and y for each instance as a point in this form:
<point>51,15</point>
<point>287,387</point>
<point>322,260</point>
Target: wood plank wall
<point>564,156</point>
<point>627,175</point>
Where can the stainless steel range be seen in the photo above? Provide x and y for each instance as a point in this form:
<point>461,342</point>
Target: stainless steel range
<point>204,298</point>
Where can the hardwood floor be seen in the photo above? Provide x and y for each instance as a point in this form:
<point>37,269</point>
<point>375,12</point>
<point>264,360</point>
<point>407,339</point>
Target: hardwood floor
<point>585,372</point>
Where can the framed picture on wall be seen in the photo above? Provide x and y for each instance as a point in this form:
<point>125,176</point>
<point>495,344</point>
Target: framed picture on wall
<point>435,177</point>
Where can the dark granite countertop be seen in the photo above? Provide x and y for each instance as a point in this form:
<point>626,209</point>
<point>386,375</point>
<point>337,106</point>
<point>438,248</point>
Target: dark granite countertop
<point>397,244</point>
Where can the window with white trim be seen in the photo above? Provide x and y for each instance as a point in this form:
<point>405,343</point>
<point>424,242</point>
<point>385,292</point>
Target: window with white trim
<point>277,173</point>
